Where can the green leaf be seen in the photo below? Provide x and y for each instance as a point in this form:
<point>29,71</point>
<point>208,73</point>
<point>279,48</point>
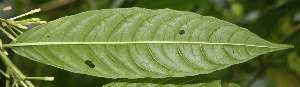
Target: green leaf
<point>140,43</point>
<point>168,82</point>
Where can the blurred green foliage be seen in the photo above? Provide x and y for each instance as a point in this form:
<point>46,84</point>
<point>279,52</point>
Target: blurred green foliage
<point>40,1</point>
<point>184,5</point>
<point>275,20</point>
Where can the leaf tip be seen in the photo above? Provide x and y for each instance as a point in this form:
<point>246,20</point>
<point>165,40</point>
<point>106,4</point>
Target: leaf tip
<point>289,46</point>
<point>285,46</point>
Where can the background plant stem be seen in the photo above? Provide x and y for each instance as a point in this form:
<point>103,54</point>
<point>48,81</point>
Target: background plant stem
<point>7,81</point>
<point>16,71</point>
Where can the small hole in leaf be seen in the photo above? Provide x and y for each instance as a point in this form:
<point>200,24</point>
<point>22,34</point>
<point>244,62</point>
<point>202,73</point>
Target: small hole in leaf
<point>181,32</point>
<point>89,63</point>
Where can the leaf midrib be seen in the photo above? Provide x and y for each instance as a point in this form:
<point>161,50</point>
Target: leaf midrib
<point>139,42</point>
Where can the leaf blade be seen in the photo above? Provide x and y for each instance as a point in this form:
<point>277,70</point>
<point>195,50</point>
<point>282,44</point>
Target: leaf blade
<point>140,43</point>
<point>195,81</point>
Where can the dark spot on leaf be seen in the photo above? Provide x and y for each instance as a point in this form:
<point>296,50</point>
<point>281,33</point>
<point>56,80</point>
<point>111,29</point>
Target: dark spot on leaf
<point>181,32</point>
<point>232,51</point>
<point>48,36</point>
<point>89,63</point>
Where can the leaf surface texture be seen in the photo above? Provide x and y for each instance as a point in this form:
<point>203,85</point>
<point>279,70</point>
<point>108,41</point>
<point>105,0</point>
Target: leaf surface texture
<point>195,81</point>
<point>140,43</point>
